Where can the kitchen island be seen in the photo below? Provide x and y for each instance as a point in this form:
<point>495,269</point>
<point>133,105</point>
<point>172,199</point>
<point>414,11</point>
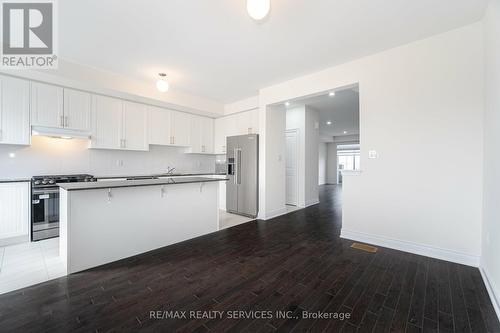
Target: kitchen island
<point>101,222</point>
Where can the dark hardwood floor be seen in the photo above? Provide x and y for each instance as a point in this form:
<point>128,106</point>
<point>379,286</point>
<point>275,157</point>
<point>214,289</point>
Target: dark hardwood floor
<point>294,263</point>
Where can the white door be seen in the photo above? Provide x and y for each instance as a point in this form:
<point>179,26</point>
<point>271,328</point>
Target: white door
<point>14,209</point>
<point>135,126</point>
<point>180,128</point>
<point>14,111</point>
<point>159,126</point>
<point>107,122</point>
<point>292,180</point>
<point>77,110</point>
<point>47,105</point>
<point>208,135</point>
<point>196,137</point>
<point>220,136</point>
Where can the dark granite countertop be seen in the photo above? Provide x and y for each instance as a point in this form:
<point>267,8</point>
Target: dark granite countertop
<point>15,180</point>
<point>135,183</point>
<point>162,175</point>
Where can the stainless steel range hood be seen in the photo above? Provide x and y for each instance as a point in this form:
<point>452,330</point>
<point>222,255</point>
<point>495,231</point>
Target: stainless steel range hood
<point>62,133</point>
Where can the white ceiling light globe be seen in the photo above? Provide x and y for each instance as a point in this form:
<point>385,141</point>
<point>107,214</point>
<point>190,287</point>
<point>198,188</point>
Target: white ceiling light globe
<point>258,9</point>
<point>162,84</point>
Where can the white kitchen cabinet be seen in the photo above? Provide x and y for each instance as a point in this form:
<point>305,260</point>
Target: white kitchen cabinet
<point>135,126</point>
<point>107,123</point>
<point>220,136</point>
<point>14,111</point>
<point>208,135</point>
<point>77,110</point>
<point>180,128</point>
<point>236,124</point>
<point>47,105</point>
<point>14,211</point>
<point>201,135</point>
<point>159,126</point>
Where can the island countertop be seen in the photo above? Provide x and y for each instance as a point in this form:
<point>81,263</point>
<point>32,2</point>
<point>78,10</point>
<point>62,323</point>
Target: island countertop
<point>135,183</point>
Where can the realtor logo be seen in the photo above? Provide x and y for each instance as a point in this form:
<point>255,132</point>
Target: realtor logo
<point>28,31</point>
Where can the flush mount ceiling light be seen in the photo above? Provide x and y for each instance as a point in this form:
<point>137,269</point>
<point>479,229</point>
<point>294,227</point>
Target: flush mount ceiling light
<point>162,83</point>
<point>258,9</point>
<point>331,94</point>
<point>328,123</point>
<point>287,103</point>
<point>345,132</point>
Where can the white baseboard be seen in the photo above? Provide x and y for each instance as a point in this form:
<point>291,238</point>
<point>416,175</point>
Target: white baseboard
<point>311,203</point>
<point>274,213</point>
<point>492,289</point>
<point>411,247</point>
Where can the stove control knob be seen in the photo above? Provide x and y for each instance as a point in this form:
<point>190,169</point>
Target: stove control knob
<point>45,182</point>
<point>37,182</point>
<point>52,181</point>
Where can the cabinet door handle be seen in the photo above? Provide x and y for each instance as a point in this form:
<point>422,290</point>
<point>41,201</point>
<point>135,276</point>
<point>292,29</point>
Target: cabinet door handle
<point>66,122</point>
<point>173,140</point>
<point>124,143</point>
<point>61,121</point>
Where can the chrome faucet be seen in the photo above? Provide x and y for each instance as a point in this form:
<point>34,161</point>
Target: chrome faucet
<point>170,170</point>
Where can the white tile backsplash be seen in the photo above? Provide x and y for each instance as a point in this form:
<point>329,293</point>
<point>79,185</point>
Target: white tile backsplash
<point>59,156</point>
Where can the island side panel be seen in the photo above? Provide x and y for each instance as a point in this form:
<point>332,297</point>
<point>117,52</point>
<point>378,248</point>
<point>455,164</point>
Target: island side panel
<point>63,226</point>
<point>104,228</point>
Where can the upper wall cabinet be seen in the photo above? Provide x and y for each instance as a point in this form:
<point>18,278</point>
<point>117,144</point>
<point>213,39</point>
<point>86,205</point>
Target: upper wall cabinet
<point>135,124</point>
<point>118,124</point>
<point>236,124</point>
<point>14,111</point>
<point>107,124</point>
<point>159,126</point>
<point>202,135</point>
<point>180,128</point>
<point>56,107</point>
<point>47,104</point>
<point>77,110</point>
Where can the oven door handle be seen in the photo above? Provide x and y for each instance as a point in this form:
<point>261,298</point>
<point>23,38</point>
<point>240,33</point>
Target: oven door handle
<point>37,192</point>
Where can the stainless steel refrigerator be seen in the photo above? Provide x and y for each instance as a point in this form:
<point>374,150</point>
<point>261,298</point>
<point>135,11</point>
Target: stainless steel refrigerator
<point>243,173</point>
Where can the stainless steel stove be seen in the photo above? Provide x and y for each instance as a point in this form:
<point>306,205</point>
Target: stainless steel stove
<point>45,203</point>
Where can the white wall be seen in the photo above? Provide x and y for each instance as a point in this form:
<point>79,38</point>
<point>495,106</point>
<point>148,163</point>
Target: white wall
<point>421,109</point>
<point>311,156</point>
<point>323,156</point>
<point>59,156</point>
<point>331,164</point>
<point>491,215</point>
<point>306,120</point>
<point>272,148</point>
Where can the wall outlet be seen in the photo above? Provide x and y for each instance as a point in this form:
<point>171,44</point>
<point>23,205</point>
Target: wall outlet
<point>372,154</point>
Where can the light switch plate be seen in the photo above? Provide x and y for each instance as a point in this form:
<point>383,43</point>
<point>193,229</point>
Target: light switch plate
<point>372,154</point>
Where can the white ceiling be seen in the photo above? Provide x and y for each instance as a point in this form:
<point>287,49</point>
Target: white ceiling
<point>342,110</point>
<point>212,48</point>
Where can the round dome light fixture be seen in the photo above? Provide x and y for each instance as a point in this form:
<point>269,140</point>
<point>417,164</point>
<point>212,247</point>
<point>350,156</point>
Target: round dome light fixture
<point>162,83</point>
<point>258,9</point>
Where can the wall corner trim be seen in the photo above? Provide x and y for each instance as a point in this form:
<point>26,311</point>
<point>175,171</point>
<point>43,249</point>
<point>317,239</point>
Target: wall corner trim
<point>491,288</point>
<point>415,248</point>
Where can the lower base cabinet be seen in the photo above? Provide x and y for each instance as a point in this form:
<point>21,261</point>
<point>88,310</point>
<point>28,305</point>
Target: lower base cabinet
<point>14,212</point>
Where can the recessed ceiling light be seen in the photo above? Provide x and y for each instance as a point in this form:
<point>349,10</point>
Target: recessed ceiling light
<point>287,103</point>
<point>345,132</point>
<point>328,123</point>
<point>162,83</point>
<point>258,9</point>
<point>331,93</point>
<point>12,155</point>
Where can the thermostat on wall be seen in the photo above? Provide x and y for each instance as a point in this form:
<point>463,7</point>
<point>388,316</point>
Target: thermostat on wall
<point>372,154</point>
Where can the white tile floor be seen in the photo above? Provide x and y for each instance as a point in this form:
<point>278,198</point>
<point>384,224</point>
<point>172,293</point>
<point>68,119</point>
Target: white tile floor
<point>27,264</point>
<point>228,220</point>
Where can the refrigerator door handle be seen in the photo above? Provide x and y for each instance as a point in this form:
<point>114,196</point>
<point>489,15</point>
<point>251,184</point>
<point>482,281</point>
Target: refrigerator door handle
<point>236,166</point>
<point>238,176</point>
